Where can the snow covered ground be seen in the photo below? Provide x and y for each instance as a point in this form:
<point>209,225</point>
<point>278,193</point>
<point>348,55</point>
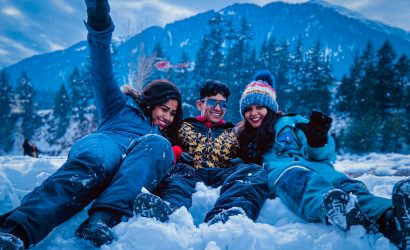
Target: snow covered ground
<point>276,227</point>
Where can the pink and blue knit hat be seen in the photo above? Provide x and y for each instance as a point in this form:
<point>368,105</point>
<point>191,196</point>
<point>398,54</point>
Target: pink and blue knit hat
<point>260,92</point>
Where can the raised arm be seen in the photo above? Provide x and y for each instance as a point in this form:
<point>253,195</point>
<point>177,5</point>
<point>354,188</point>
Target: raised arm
<point>108,96</point>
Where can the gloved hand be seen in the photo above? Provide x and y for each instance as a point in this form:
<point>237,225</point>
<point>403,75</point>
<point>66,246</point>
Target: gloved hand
<point>98,14</point>
<point>317,129</point>
<point>182,170</point>
<point>186,158</point>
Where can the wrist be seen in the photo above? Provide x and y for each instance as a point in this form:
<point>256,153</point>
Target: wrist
<point>99,24</point>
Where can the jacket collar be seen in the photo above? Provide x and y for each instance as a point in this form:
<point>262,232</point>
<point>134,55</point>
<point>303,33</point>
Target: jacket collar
<point>199,119</point>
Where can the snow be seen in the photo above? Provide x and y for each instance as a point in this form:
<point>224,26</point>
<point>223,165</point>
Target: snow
<point>276,227</point>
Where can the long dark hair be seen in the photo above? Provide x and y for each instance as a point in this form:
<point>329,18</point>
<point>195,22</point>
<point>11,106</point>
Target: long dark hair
<point>154,94</point>
<point>254,142</point>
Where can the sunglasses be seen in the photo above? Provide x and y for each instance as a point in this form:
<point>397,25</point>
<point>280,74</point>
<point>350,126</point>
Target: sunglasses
<point>212,103</point>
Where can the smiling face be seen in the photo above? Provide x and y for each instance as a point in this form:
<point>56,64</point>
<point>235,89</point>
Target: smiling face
<point>214,114</point>
<point>163,115</point>
<point>255,114</point>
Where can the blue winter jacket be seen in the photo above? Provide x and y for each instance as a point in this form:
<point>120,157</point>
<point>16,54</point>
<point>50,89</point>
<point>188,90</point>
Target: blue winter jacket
<point>119,114</point>
<point>290,150</point>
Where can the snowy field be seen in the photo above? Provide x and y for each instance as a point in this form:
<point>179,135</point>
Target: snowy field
<point>276,227</point>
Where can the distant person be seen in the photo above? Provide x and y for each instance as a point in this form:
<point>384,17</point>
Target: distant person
<point>29,149</point>
<point>111,165</point>
<point>298,153</point>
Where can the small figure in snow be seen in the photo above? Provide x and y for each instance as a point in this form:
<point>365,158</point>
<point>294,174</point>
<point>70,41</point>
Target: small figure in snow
<point>29,149</point>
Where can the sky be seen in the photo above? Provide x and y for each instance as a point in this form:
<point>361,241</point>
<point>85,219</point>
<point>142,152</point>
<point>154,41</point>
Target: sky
<point>31,27</point>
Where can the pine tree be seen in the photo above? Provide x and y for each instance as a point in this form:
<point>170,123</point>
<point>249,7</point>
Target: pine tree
<point>364,96</point>
<point>403,76</point>
<point>345,97</point>
<point>401,118</point>
<point>6,119</point>
<point>297,76</point>
<point>284,87</point>
<point>362,135</point>
<point>386,90</point>
<point>25,97</point>
<point>318,82</point>
<point>266,59</point>
<point>209,57</point>
<point>186,84</point>
<point>387,95</point>
<point>61,111</point>
<point>238,73</point>
<point>80,94</point>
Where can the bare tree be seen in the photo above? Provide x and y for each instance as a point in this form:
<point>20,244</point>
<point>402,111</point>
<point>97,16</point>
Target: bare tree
<point>138,77</point>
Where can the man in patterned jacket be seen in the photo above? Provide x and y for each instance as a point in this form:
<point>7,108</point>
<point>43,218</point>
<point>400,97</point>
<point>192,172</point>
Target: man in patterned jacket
<point>210,148</point>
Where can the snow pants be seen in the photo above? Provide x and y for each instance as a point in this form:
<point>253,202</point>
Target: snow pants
<point>242,185</point>
<point>107,167</point>
<point>302,187</point>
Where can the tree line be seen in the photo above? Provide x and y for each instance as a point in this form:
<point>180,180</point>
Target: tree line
<point>370,104</point>
<point>19,112</point>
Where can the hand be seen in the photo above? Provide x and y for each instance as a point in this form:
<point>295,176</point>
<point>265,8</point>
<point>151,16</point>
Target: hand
<point>182,170</point>
<point>98,14</point>
<point>317,129</point>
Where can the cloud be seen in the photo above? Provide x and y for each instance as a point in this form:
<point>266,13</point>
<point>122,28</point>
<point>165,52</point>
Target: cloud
<point>163,11</point>
<point>64,6</point>
<point>4,52</point>
<point>22,50</point>
<point>11,11</point>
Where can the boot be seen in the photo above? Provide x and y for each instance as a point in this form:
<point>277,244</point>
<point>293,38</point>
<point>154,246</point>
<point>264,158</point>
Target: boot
<point>10,242</point>
<point>151,206</point>
<point>401,210</point>
<point>342,210</point>
<point>98,227</point>
<point>224,215</point>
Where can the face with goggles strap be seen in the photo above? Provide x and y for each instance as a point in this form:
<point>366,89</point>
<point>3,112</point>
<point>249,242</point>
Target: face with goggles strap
<point>213,108</point>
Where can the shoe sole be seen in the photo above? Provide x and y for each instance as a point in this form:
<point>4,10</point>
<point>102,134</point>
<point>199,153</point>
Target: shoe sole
<point>401,206</point>
<point>10,242</point>
<point>344,212</point>
<point>151,206</point>
<point>335,204</point>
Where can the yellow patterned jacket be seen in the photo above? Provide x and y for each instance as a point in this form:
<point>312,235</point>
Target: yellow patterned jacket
<point>212,147</point>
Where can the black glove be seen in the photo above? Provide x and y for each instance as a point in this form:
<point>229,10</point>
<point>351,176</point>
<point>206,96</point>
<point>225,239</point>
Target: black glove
<point>317,129</point>
<point>186,158</point>
<point>182,170</point>
<point>98,14</point>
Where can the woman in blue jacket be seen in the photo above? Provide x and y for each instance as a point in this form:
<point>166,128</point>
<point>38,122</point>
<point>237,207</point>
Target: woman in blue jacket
<point>111,165</point>
<point>298,154</point>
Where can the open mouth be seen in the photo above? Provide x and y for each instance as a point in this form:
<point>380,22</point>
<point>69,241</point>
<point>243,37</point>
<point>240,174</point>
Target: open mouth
<point>255,119</point>
<point>217,115</point>
<point>162,123</point>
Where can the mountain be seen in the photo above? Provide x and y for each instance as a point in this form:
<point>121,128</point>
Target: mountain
<point>341,32</point>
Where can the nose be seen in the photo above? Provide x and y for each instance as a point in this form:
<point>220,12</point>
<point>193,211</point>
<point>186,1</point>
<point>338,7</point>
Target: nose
<point>217,107</point>
<point>166,117</point>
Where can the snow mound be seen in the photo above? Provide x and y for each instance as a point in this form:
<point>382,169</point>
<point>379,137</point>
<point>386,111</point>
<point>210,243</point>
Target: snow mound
<point>276,228</point>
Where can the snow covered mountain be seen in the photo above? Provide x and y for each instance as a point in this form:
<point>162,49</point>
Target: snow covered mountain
<point>341,32</point>
<point>276,228</point>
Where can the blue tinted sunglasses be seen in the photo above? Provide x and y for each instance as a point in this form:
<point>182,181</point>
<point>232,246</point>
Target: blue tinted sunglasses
<point>212,103</point>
